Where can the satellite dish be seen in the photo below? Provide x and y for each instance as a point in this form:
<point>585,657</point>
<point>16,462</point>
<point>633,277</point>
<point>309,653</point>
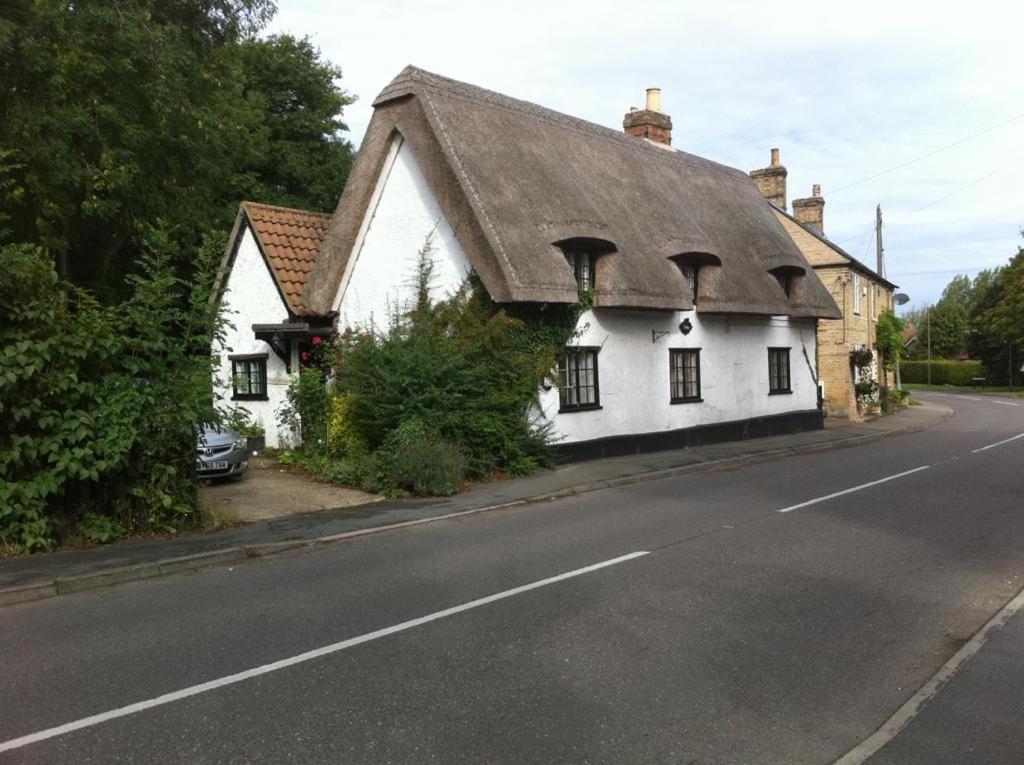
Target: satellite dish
<point>901,298</point>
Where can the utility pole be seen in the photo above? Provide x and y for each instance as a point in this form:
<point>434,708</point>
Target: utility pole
<point>928,319</point>
<point>879,250</point>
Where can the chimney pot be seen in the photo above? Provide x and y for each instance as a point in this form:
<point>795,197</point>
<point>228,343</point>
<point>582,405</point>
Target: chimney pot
<point>650,123</point>
<point>771,181</point>
<point>810,210</point>
<point>654,99</point>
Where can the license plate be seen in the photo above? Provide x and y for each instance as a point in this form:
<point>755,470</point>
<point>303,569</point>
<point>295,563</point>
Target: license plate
<point>219,465</point>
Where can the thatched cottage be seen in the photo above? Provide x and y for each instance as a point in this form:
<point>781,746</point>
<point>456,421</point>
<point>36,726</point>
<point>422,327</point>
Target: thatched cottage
<point>704,316</point>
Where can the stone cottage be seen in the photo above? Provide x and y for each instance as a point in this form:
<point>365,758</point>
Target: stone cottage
<point>860,292</point>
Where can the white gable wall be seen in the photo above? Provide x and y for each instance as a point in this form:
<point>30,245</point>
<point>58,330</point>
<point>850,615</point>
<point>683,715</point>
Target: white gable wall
<point>381,273</point>
<point>252,297</point>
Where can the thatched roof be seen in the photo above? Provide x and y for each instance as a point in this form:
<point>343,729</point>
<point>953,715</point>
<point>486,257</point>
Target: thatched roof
<point>514,179</point>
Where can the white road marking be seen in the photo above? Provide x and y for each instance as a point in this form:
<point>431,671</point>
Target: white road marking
<point>195,690</point>
<point>902,717</point>
<point>853,489</point>
<point>971,398</point>
<point>1005,403</point>
<point>997,443</point>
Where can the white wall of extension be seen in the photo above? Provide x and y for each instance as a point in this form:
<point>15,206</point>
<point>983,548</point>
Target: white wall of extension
<point>252,297</point>
<point>633,371</point>
<point>381,273</point>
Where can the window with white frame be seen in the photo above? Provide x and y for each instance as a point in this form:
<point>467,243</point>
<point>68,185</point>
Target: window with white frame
<point>577,376</point>
<point>684,375</point>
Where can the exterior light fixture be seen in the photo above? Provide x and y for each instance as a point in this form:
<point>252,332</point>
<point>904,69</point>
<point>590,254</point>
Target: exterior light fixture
<point>686,326</point>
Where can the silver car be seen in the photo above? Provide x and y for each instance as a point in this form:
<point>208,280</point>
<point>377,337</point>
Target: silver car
<point>221,453</point>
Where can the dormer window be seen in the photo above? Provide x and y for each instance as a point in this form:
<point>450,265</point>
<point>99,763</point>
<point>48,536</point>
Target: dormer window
<point>783,279</point>
<point>582,262</point>
<point>788,278</point>
<point>690,274</point>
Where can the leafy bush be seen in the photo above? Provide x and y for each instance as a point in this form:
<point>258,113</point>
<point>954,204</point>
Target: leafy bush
<point>306,410</point>
<point>343,438</point>
<point>418,460</point>
<point>944,372</point>
<point>98,404</point>
<point>100,529</point>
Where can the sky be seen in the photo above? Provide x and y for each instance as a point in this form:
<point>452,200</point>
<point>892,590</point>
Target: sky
<point>846,91</point>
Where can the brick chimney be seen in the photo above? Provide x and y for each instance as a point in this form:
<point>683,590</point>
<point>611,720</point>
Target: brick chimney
<point>650,122</point>
<point>771,181</point>
<point>809,210</point>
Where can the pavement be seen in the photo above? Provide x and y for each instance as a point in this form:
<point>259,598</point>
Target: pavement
<point>39,576</point>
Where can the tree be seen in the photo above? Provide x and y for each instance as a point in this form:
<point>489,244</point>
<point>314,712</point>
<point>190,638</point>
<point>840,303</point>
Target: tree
<point>302,160</point>
<point>117,114</point>
<point>1000,319</point>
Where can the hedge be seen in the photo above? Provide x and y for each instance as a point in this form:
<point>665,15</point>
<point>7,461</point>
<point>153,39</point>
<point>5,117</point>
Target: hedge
<point>944,372</point>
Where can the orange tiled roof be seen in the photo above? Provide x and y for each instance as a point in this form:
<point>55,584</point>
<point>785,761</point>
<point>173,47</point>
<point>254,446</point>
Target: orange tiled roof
<point>291,240</point>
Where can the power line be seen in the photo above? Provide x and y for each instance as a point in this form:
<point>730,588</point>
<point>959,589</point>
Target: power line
<point>957,191</point>
<point>925,156</point>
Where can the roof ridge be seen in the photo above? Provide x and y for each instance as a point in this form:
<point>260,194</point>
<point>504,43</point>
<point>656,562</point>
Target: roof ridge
<point>475,94</point>
<point>280,208</point>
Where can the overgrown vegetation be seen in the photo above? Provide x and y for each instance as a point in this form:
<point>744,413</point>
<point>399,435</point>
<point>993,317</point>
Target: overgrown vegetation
<point>445,393</point>
<point>99,405</point>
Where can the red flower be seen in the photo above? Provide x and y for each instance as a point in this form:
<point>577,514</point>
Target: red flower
<point>318,341</point>
<point>304,356</point>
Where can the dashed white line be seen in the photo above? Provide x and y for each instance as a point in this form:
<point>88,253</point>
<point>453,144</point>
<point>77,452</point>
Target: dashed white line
<point>998,443</point>
<point>195,690</point>
<point>1005,403</point>
<point>816,500</point>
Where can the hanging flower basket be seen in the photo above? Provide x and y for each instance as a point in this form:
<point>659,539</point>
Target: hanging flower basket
<point>862,358</point>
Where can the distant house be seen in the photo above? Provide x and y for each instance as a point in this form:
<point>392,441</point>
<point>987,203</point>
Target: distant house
<point>705,312</point>
<point>860,292</point>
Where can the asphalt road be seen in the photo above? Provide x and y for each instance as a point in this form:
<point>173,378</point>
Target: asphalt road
<point>744,634</point>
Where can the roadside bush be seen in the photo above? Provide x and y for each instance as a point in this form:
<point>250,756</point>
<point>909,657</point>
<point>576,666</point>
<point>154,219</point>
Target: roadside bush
<point>343,438</point>
<point>99,404</point>
<point>944,372</point>
<point>418,460</point>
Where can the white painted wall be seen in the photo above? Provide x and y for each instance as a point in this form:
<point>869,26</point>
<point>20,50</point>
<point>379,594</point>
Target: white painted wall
<point>633,372</point>
<point>381,273</point>
<point>251,298</point>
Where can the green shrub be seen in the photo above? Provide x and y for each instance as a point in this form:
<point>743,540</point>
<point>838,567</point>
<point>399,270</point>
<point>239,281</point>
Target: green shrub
<point>944,371</point>
<point>306,411</point>
<point>343,437</point>
<point>100,529</point>
<point>418,460</point>
<point>99,404</point>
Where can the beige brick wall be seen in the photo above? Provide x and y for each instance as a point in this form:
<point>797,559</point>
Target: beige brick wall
<point>836,338</point>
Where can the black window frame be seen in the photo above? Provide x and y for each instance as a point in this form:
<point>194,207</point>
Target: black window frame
<point>681,354</point>
<point>563,380</point>
<point>583,263</point>
<point>774,379</point>
<point>249,361</point>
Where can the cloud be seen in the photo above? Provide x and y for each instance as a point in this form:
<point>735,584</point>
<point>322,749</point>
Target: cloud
<point>845,91</point>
